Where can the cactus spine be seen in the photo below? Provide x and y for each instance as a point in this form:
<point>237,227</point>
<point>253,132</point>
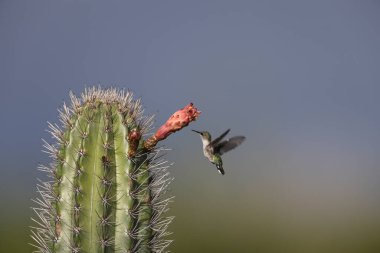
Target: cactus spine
<point>107,182</point>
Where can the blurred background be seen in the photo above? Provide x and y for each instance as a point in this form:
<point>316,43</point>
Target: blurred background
<point>300,79</point>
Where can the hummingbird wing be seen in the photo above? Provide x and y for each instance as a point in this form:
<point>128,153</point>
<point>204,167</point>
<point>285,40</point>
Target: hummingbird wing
<point>217,140</point>
<point>229,144</point>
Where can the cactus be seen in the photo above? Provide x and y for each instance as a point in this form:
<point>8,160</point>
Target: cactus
<point>107,181</point>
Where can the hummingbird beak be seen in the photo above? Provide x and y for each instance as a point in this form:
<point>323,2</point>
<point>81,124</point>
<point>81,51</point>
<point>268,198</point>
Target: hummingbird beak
<point>196,131</point>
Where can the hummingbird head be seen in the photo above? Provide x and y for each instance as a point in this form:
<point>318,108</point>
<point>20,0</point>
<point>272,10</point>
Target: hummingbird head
<point>204,135</point>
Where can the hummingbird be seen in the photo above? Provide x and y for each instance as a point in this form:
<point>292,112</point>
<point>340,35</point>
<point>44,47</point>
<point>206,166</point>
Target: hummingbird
<point>213,149</point>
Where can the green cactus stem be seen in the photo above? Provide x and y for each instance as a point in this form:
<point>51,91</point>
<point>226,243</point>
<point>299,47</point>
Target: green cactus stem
<point>107,181</point>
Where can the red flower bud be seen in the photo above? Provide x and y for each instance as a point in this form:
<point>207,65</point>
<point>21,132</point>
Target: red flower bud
<point>177,121</point>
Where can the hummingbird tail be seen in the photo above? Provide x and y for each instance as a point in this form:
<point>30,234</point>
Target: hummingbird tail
<point>220,169</point>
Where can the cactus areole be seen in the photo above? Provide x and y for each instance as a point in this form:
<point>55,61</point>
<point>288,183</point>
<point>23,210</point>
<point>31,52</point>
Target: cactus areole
<point>107,181</point>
